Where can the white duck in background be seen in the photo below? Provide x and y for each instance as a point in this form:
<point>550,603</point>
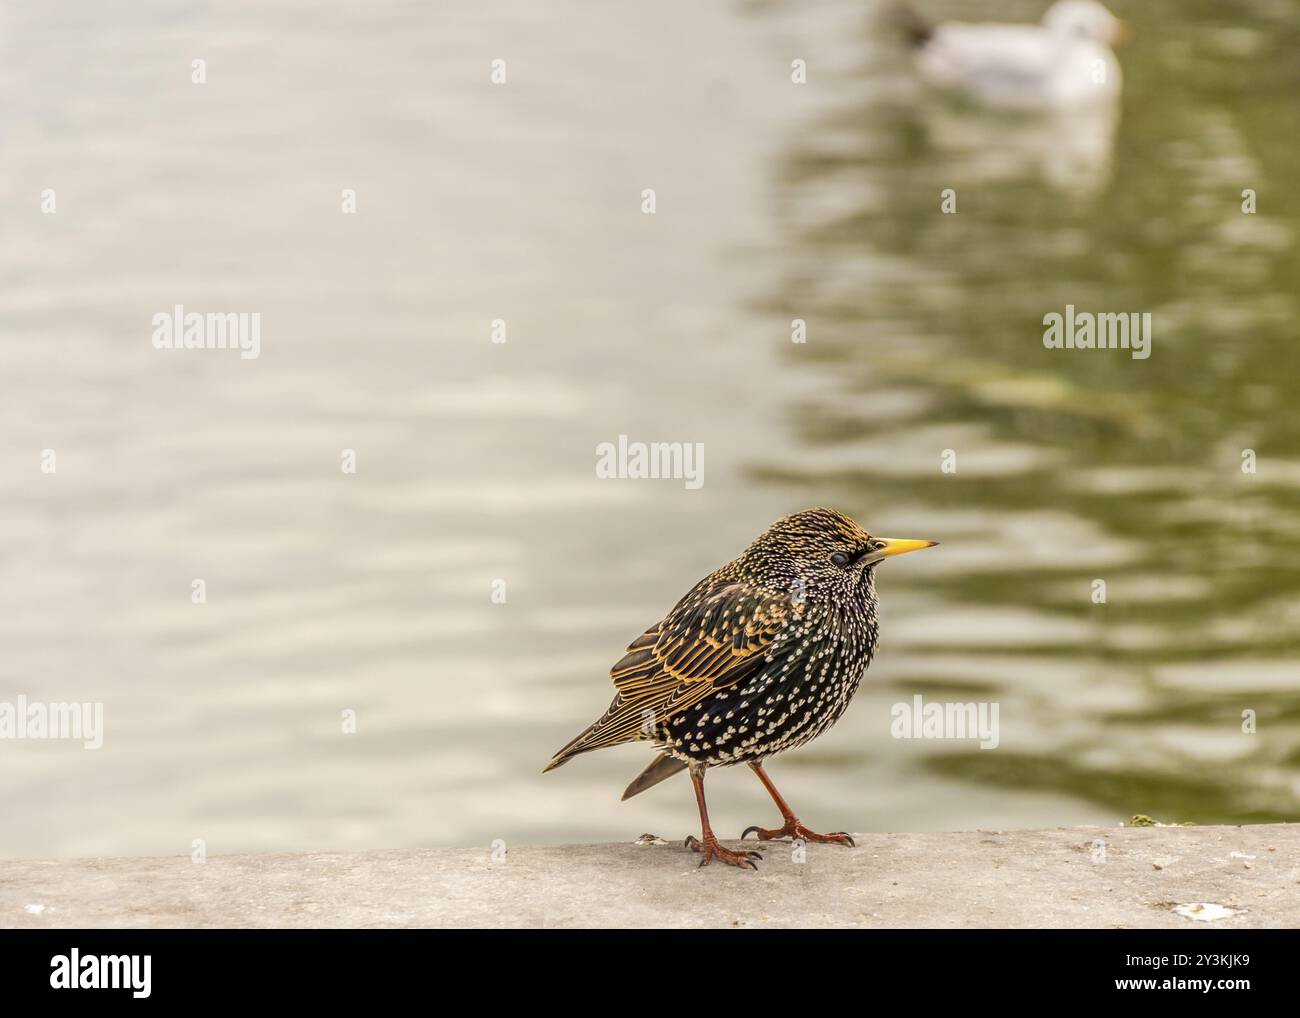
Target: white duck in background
<point>1065,61</point>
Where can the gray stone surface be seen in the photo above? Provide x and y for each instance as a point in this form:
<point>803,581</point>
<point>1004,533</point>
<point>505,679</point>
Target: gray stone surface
<point>971,879</point>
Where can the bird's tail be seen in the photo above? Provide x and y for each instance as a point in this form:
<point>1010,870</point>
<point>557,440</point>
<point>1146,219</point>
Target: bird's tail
<point>916,29</point>
<point>663,766</point>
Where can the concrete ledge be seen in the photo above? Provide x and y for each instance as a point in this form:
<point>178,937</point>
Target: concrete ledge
<point>1057,878</point>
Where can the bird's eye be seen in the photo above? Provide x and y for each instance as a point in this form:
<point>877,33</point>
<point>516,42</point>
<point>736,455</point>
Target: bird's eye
<point>840,559</point>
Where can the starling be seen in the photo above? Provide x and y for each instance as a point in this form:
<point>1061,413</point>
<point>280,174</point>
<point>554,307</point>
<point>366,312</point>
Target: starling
<point>759,657</point>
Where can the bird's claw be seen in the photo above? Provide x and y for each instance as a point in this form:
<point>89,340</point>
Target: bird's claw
<point>794,829</point>
<point>710,850</point>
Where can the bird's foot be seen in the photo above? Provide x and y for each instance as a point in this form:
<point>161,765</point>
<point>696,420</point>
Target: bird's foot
<point>794,829</point>
<point>710,849</point>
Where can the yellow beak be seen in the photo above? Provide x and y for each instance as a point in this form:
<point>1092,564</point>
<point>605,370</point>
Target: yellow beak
<point>895,546</point>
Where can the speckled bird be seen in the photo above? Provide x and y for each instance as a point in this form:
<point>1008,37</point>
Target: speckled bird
<point>759,657</point>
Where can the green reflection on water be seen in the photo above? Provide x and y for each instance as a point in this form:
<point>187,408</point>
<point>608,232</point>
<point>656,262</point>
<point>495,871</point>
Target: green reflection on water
<point>1074,465</point>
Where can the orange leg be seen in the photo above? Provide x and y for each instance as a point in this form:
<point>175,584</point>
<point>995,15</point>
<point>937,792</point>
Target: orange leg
<point>792,828</point>
<point>709,847</point>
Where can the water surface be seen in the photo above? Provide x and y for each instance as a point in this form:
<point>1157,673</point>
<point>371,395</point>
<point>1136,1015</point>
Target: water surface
<point>371,592</point>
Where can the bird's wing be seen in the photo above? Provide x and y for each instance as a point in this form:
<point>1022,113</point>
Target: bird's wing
<point>718,635</point>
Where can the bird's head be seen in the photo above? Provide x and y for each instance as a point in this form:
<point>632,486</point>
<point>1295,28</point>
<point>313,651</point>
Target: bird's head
<point>1085,19</point>
<point>822,554</point>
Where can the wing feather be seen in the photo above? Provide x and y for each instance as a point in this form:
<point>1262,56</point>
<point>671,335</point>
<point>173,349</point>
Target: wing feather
<point>718,635</point>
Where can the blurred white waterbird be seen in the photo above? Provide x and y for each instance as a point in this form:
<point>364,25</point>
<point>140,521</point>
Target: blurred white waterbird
<point>1063,61</point>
